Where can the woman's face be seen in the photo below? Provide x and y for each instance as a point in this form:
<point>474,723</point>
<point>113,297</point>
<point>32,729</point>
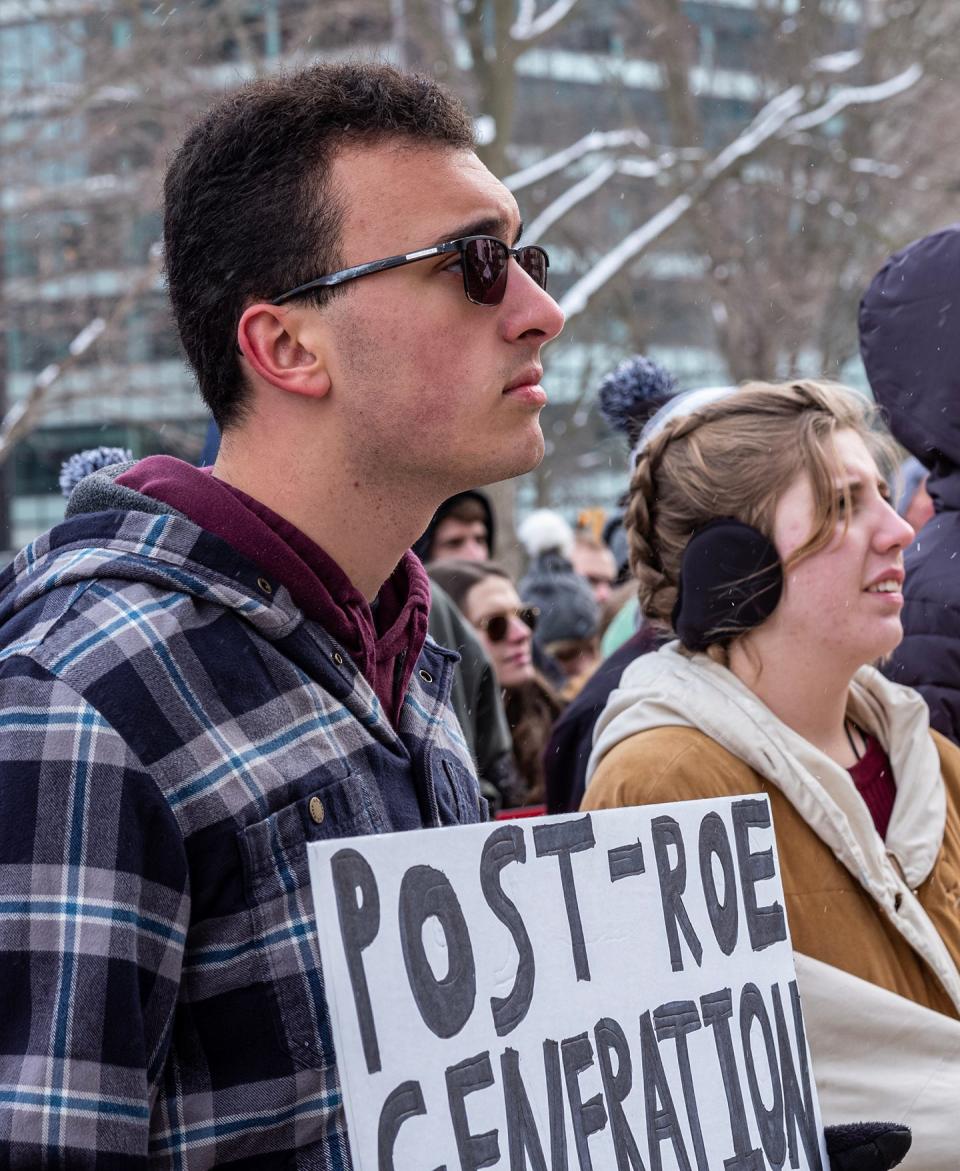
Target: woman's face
<point>843,603</point>
<point>511,655</point>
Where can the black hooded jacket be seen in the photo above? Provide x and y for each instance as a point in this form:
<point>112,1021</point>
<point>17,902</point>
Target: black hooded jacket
<point>910,344</point>
<point>422,544</point>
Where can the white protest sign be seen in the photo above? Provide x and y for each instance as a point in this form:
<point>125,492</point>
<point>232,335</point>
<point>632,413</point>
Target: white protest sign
<point>590,992</point>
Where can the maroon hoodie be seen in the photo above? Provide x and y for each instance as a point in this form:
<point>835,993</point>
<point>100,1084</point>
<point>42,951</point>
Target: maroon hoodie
<point>384,641</point>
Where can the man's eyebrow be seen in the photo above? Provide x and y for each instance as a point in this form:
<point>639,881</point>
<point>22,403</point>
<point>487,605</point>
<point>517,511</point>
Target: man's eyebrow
<point>491,226</point>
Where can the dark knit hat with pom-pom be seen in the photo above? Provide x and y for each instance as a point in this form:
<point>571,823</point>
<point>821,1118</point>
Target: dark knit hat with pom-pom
<point>74,469</point>
<point>633,393</point>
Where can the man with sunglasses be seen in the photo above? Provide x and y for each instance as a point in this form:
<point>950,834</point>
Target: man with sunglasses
<point>202,671</point>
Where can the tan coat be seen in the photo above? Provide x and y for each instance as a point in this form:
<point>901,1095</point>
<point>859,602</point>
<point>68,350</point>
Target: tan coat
<point>875,923</point>
<point>832,917</point>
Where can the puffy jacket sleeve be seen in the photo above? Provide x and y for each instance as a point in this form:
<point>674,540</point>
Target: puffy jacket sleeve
<point>94,905</point>
<point>928,658</point>
<point>930,663</point>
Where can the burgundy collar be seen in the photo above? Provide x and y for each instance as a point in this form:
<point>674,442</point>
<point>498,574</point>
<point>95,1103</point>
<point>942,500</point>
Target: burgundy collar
<point>373,637</point>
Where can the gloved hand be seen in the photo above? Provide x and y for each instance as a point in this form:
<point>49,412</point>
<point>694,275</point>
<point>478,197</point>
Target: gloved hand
<point>866,1146</point>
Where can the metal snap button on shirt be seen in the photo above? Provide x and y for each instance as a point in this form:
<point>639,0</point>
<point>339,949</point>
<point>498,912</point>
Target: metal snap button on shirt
<point>264,586</point>
<point>426,676</point>
<point>338,658</point>
<point>317,811</point>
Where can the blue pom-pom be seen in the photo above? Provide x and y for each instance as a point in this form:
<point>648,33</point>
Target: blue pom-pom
<point>73,470</point>
<point>630,394</point>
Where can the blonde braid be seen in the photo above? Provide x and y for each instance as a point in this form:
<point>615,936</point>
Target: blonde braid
<point>656,591</point>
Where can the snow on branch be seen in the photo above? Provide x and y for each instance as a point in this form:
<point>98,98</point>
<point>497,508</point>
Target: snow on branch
<point>635,168</point>
<point>575,299</point>
<point>859,95</point>
<point>772,118</point>
<point>20,416</point>
<point>836,62</point>
<point>875,167</point>
<point>569,199</point>
<point>594,141</point>
<point>15,414</point>
<point>779,118</point>
<point>526,14</point>
<point>650,168</point>
<point>768,122</point>
<point>528,25</point>
<point>23,415</point>
<point>87,336</point>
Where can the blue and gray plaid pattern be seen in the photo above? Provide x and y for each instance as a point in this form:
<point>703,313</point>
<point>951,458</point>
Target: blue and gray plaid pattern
<point>166,716</point>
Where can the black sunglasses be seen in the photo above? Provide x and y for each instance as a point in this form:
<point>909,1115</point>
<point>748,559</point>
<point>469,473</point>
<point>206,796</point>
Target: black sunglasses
<point>498,625</point>
<point>484,260</point>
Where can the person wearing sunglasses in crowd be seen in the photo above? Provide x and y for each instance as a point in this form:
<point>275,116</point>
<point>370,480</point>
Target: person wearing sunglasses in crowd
<point>762,535</point>
<point>203,670</point>
<point>504,625</point>
<point>477,702</point>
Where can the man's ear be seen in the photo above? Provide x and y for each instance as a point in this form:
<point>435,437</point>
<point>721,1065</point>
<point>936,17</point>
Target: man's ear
<point>285,347</point>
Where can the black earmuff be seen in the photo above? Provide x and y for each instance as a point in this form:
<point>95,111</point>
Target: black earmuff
<point>731,579</point>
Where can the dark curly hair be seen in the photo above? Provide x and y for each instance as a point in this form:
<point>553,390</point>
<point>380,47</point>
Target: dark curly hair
<point>249,211</point>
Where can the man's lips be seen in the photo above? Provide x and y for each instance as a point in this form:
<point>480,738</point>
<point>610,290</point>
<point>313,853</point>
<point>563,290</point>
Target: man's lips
<point>530,376</point>
<point>526,386</point>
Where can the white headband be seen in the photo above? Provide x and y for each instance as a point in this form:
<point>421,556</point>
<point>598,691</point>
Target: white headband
<point>679,405</point>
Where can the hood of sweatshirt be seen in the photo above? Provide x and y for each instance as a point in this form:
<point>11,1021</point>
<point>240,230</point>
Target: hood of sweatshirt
<point>148,545</point>
<point>421,545</point>
<point>384,645</point>
<point>670,688</point>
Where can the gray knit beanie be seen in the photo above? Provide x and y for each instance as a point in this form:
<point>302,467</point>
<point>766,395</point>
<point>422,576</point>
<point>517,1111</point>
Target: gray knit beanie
<point>567,606</point>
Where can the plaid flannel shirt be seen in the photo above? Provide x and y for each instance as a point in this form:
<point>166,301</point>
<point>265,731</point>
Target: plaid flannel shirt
<point>172,733</point>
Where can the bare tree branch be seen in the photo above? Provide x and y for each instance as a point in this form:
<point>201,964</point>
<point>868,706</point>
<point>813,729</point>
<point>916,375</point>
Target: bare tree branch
<point>780,115</point>
<point>569,200</point>
<point>635,168</point>
<point>529,27</point>
<point>24,415</point>
<point>860,95</point>
<point>596,140</point>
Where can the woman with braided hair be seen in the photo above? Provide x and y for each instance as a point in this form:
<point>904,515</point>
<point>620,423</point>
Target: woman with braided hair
<point>762,536</point>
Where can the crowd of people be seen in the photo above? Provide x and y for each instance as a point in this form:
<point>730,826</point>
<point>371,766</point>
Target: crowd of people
<point>204,669</point>
<point>547,642</point>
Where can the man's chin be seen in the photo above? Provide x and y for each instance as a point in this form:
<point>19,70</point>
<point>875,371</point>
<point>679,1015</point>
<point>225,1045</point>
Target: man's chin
<point>529,457</point>
<point>505,463</point>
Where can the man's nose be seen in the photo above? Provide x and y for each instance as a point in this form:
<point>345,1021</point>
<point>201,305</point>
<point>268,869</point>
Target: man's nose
<point>529,310</point>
